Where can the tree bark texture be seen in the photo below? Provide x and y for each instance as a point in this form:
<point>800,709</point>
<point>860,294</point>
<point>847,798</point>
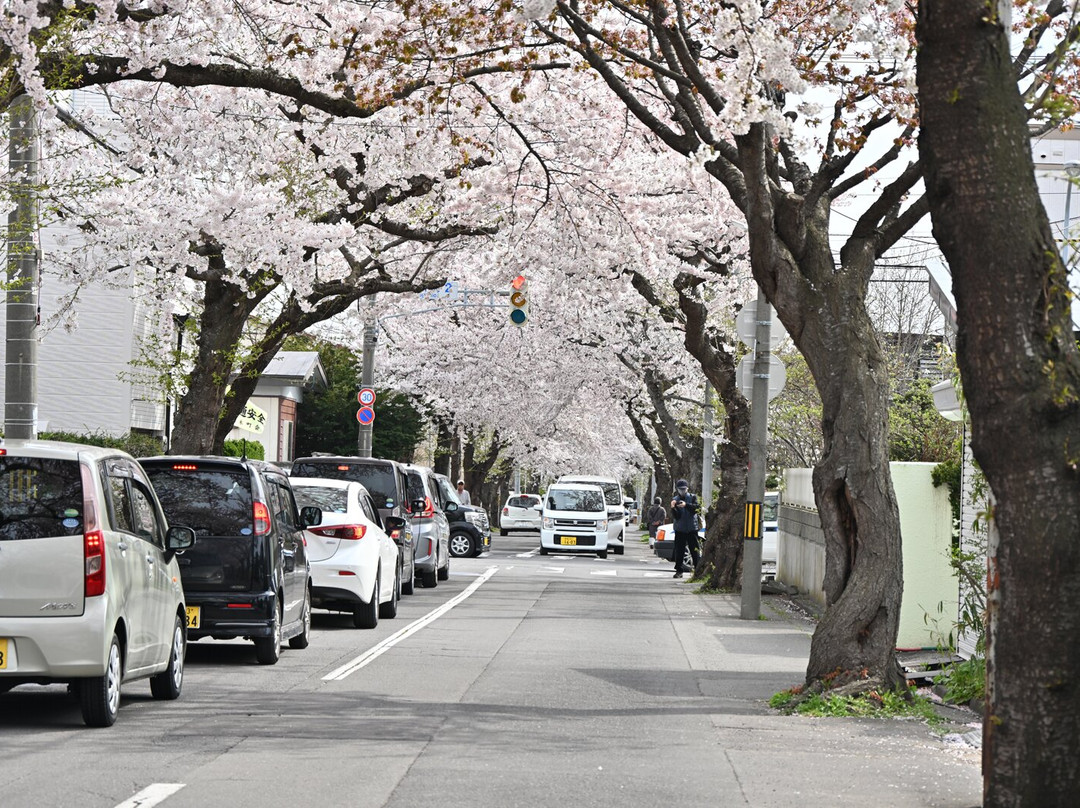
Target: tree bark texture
<point>722,555</point>
<point>1021,371</point>
<point>823,307</point>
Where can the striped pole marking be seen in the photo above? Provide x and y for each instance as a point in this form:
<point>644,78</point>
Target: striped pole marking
<point>752,523</point>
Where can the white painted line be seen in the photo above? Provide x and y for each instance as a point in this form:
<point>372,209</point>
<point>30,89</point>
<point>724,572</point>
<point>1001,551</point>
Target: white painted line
<point>381,648</point>
<point>558,570</point>
<point>604,572</point>
<point>152,795</point>
<point>529,554</point>
<point>656,574</point>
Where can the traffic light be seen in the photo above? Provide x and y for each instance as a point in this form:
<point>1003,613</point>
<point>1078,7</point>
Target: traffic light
<point>519,300</point>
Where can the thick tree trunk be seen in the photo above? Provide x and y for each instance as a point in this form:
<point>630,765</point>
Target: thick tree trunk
<point>221,322</point>
<point>823,307</point>
<point>1021,372</point>
<point>722,555</point>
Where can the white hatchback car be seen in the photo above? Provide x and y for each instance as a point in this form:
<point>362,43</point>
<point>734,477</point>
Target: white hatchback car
<point>519,513</point>
<point>355,565</point>
<point>575,520</point>
<point>90,590</point>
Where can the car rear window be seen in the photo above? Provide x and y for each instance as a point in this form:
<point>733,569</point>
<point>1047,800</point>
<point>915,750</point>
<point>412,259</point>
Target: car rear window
<point>378,478</point>
<point>214,502</point>
<point>330,500</point>
<point>522,502</point>
<point>39,497</point>
<point>566,499</point>
<point>416,486</point>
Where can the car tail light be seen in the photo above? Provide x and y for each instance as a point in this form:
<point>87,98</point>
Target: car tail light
<point>506,511</point>
<point>342,468</point>
<point>660,535</point>
<point>184,467</point>
<point>348,532</point>
<point>239,606</point>
<point>429,508</point>
<point>94,555</point>
<point>430,547</point>
<point>262,518</point>
<point>93,540</point>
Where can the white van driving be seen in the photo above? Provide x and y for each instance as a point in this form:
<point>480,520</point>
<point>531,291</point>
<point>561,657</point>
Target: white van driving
<point>575,520</point>
<point>613,496</point>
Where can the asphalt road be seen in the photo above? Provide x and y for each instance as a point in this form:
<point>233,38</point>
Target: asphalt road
<point>521,681</point>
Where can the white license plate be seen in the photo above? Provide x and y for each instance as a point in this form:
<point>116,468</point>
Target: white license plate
<point>192,616</point>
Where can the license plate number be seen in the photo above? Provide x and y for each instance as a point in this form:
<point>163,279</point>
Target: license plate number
<point>3,653</point>
<point>192,616</point>
<point>568,540</point>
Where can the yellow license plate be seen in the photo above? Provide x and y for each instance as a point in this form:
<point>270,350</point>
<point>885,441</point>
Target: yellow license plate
<point>568,540</point>
<point>192,616</point>
<point>3,653</point>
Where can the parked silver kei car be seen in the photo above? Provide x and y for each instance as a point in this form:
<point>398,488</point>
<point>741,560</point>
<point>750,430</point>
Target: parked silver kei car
<point>90,590</point>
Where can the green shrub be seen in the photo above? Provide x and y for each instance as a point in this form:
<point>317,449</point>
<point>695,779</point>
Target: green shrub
<point>964,681</point>
<point>251,449</point>
<point>134,443</point>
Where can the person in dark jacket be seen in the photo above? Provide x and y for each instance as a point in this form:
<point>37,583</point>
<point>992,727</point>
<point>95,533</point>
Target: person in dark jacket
<point>684,510</point>
<point>655,516</point>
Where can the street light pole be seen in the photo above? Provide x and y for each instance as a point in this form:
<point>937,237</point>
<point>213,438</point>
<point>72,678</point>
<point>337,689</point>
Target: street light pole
<point>1072,170</point>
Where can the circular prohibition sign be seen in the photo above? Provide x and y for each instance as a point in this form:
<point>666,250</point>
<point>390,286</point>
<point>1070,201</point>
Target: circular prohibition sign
<point>365,415</point>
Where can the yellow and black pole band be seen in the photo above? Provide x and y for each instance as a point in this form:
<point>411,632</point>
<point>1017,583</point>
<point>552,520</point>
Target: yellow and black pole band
<point>752,524</point>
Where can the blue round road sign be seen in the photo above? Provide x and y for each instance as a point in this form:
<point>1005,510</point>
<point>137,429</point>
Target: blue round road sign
<point>365,415</point>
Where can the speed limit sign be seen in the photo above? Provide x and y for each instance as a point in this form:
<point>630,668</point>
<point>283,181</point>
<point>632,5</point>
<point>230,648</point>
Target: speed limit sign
<point>366,396</point>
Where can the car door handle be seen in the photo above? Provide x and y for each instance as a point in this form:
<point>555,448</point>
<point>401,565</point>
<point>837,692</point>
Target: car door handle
<point>122,546</point>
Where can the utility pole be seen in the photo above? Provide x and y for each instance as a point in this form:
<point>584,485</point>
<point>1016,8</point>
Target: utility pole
<point>20,377</point>
<point>707,451</point>
<point>755,481</point>
<point>367,379</point>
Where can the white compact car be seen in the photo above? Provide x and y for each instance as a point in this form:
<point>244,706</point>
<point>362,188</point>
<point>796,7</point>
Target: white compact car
<point>519,513</point>
<point>613,496</point>
<point>90,590</point>
<point>355,565</point>
<point>575,520</point>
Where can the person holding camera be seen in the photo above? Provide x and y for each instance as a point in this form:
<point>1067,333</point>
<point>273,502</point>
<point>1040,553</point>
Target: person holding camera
<point>684,510</point>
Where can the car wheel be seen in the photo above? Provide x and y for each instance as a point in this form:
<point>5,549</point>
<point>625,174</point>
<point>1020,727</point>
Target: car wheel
<point>100,695</point>
<point>601,553</point>
<point>461,545</point>
<point>167,684</point>
<point>366,615</point>
<point>389,609</point>
<point>619,549</point>
<point>543,550</point>
<point>429,580</point>
<point>302,639</point>
<point>407,584</point>
<point>268,649</point>
<point>443,573</point>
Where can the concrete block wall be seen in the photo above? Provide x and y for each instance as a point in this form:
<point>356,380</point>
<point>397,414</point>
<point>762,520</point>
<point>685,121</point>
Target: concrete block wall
<point>926,534</point>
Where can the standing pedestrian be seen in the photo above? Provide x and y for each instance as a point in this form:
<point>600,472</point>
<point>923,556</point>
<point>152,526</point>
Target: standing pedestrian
<point>462,494</point>
<point>684,510</point>
<point>655,516</point>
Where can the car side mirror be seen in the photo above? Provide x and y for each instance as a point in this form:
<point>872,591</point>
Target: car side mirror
<point>451,507</point>
<point>418,505</point>
<point>179,538</point>
<point>538,508</point>
<point>394,523</point>
<point>310,515</point>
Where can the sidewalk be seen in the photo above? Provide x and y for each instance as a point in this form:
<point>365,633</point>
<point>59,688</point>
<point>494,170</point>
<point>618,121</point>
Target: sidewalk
<point>780,760</point>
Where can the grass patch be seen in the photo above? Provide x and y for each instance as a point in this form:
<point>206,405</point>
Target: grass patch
<point>869,704</point>
<point>964,681</point>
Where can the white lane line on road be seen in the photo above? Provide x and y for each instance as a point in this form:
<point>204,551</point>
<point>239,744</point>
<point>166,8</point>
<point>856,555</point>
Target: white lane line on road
<point>558,570</point>
<point>529,554</point>
<point>656,575</point>
<point>378,650</point>
<point>152,795</point>
<point>604,572</point>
